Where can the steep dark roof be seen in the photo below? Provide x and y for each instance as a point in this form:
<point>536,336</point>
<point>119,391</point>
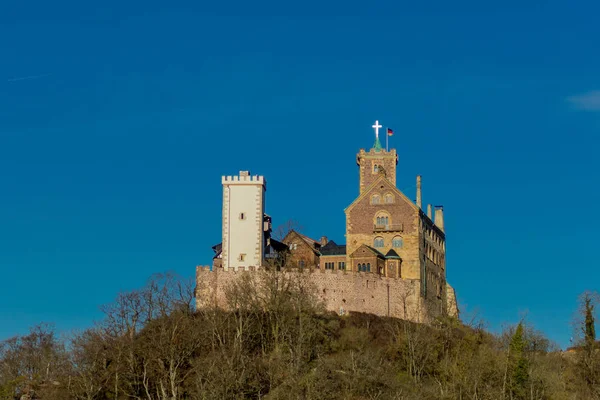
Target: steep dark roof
<point>377,252</point>
<point>275,249</point>
<point>333,249</point>
<point>392,254</point>
<point>217,249</point>
<point>278,246</point>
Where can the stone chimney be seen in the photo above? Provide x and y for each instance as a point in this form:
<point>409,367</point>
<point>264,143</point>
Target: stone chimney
<point>323,240</point>
<point>439,217</point>
<point>429,212</point>
<point>419,204</point>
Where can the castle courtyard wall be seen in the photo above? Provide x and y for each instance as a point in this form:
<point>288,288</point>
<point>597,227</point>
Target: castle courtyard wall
<point>341,291</point>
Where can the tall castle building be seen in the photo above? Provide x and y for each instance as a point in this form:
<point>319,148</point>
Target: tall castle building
<point>393,262</point>
<point>243,220</point>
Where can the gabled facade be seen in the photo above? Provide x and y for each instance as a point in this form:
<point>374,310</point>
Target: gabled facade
<point>386,220</point>
<point>304,251</point>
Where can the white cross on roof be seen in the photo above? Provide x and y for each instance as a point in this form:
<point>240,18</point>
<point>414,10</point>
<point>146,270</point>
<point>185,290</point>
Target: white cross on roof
<point>376,127</point>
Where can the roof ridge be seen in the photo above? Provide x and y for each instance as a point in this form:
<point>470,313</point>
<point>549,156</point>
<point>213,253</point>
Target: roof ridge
<point>306,237</point>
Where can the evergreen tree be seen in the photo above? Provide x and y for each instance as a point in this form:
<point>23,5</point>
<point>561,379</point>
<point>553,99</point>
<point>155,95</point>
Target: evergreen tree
<point>589,324</point>
<point>518,364</point>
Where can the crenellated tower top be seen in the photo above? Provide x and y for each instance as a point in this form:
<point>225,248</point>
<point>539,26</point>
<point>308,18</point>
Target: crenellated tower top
<point>244,178</point>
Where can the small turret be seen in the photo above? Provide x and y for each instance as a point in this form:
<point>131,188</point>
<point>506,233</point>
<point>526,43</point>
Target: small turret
<point>419,203</point>
<point>439,217</point>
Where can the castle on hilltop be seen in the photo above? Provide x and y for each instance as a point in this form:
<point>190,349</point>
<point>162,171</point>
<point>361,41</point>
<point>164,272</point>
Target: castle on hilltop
<point>393,262</point>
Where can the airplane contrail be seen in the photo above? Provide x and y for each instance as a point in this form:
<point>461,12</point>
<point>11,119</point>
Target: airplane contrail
<point>24,78</point>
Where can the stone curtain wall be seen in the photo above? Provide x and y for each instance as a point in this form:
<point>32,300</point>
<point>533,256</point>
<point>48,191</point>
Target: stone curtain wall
<point>452,305</point>
<point>341,291</point>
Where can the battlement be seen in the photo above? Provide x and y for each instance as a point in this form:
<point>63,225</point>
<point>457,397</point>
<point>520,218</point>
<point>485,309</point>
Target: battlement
<point>207,268</point>
<point>203,269</point>
<point>244,178</point>
<point>373,152</point>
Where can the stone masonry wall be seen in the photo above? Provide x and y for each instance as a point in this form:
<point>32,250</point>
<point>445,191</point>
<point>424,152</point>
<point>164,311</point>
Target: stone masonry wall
<point>366,161</point>
<point>341,291</point>
<point>335,259</point>
<point>361,218</point>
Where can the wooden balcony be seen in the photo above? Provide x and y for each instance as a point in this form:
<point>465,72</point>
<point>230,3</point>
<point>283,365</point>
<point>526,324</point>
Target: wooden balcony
<point>388,228</point>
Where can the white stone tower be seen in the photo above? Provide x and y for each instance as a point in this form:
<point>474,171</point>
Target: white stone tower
<point>243,214</point>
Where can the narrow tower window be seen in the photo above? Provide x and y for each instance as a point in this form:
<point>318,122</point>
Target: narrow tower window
<point>242,216</point>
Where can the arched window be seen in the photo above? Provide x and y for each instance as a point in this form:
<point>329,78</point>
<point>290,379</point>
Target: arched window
<point>375,168</point>
<point>375,199</point>
<point>378,242</point>
<point>397,242</point>
<point>389,198</point>
<point>368,267</point>
<point>382,220</point>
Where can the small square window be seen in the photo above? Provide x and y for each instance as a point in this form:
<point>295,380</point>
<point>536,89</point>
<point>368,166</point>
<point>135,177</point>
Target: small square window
<point>242,257</point>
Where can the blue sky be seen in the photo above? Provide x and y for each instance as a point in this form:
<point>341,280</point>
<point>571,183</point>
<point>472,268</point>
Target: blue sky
<point>117,121</point>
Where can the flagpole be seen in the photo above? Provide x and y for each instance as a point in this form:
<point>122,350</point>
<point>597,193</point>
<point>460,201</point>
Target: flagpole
<point>387,138</point>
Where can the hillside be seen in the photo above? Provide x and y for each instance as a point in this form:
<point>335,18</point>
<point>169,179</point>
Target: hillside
<point>279,344</point>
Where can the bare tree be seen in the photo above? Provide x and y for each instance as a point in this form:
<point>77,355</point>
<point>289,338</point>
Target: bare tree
<point>34,364</point>
<point>282,230</point>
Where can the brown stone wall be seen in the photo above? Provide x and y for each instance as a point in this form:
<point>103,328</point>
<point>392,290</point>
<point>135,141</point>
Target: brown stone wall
<point>367,160</point>
<point>302,252</point>
<point>393,268</point>
<point>403,221</point>
<point>341,292</point>
<point>451,303</point>
<point>334,259</point>
<point>433,252</point>
<point>367,259</point>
